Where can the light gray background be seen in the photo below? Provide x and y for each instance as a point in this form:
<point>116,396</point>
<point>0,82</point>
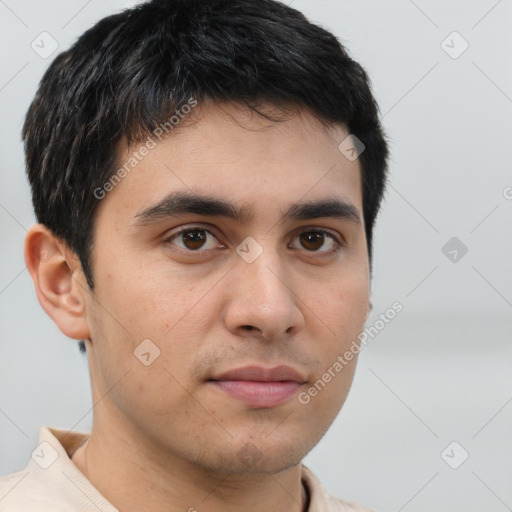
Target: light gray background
<point>440,371</point>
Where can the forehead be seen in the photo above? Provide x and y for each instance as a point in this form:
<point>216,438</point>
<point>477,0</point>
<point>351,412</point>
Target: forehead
<point>231,152</point>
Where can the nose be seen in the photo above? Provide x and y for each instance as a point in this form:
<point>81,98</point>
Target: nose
<point>262,301</point>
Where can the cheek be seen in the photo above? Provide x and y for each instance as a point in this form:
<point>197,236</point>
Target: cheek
<point>150,298</point>
<point>146,311</point>
<point>340,315</point>
<point>165,306</point>
<point>340,307</point>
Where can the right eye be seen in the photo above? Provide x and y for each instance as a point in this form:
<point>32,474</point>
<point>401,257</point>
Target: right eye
<point>193,239</point>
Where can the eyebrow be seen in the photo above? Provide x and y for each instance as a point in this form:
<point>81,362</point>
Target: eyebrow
<point>179,203</point>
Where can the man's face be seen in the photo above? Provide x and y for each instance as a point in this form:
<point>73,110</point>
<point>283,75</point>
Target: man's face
<point>212,300</point>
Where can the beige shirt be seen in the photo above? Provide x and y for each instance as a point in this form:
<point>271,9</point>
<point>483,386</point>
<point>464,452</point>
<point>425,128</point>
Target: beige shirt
<point>52,483</point>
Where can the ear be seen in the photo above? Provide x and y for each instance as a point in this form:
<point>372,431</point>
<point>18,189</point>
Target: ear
<point>58,280</point>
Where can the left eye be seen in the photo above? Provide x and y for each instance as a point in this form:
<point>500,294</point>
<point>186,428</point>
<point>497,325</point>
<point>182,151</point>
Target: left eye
<point>314,240</point>
<point>194,239</point>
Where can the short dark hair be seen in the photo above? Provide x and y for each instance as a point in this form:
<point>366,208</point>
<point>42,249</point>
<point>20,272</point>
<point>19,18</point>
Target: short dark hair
<point>127,74</point>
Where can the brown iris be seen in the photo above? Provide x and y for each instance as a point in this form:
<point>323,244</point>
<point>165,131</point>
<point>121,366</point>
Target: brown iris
<point>194,239</point>
<point>312,240</point>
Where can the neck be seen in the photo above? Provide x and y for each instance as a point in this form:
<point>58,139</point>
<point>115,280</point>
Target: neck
<point>142,478</point>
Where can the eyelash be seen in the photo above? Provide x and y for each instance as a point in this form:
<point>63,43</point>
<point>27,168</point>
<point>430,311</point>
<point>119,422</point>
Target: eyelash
<point>338,244</point>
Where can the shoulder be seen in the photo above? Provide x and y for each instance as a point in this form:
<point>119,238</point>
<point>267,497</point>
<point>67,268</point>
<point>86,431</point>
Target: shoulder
<point>50,480</point>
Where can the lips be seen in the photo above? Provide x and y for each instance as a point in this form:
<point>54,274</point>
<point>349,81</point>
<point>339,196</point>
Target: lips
<point>260,374</point>
<point>259,387</point>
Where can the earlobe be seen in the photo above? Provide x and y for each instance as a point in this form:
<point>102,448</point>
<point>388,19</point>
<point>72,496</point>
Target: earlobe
<point>55,270</point>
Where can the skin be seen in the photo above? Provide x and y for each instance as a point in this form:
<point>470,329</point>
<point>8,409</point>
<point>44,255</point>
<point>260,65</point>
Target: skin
<point>163,438</point>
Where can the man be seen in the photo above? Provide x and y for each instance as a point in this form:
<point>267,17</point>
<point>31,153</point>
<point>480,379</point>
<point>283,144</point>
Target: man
<point>206,175</point>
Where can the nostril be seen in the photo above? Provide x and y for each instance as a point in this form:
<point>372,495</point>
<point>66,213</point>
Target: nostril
<point>251,328</point>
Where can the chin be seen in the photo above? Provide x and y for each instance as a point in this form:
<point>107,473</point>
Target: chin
<point>243,456</point>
